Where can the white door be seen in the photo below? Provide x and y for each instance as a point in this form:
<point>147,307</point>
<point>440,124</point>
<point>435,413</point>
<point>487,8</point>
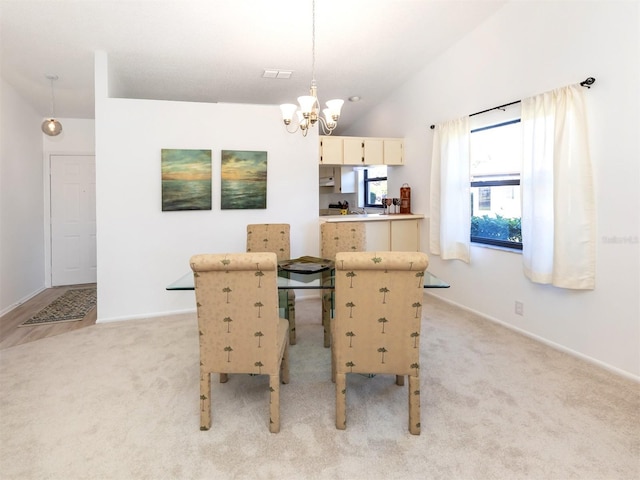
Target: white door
<point>73,219</point>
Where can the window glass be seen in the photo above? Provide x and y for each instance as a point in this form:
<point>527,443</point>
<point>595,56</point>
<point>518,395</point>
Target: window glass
<point>496,150</point>
<point>375,185</point>
<point>496,153</point>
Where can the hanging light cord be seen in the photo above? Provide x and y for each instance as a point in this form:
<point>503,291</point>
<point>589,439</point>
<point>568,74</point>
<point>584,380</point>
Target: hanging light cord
<point>53,105</point>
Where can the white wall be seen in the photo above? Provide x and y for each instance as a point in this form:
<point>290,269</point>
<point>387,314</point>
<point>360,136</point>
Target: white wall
<point>21,194</point>
<point>142,249</point>
<point>525,49</point>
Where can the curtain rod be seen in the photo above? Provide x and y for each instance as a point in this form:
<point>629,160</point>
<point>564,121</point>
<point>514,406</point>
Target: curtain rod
<point>585,83</point>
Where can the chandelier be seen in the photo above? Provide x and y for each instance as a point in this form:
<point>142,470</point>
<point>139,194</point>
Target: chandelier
<point>308,114</point>
<point>51,126</point>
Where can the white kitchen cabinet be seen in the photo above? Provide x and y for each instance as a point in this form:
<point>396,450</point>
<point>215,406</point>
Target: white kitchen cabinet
<point>347,179</point>
<point>361,151</point>
<point>405,235</point>
<point>399,233</point>
<point>378,238</point>
<point>353,153</point>
<point>393,151</point>
<point>331,150</point>
<point>394,235</point>
<point>373,151</point>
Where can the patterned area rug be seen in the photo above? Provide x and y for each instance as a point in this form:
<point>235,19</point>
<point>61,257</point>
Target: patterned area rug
<point>72,306</point>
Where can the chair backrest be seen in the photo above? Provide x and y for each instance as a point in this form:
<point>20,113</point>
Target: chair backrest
<point>270,237</point>
<point>237,302</point>
<point>341,237</point>
<point>378,298</point>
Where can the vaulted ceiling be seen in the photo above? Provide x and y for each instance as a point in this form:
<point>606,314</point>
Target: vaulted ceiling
<point>217,50</point>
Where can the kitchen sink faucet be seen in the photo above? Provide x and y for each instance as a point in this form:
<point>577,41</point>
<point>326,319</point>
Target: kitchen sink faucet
<point>363,212</point>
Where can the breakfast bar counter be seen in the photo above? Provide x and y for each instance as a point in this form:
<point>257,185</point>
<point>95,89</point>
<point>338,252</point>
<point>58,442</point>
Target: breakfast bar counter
<point>386,232</point>
<point>371,217</point>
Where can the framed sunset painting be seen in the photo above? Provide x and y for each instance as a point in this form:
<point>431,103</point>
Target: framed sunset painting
<point>186,180</point>
<point>243,180</point>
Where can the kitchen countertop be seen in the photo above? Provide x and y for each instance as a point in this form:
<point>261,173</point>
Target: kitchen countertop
<point>371,217</point>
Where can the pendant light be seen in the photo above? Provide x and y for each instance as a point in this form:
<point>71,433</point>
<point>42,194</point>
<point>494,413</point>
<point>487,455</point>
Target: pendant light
<point>51,126</point>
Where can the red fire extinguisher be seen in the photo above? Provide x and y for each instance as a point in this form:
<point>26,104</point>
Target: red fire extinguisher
<point>405,198</point>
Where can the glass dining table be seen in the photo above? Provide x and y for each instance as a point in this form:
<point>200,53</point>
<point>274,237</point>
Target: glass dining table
<point>291,279</point>
<point>304,273</point>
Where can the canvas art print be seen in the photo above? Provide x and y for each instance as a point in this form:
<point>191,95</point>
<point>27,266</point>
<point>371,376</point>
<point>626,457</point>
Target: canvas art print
<point>186,180</point>
<point>244,180</point>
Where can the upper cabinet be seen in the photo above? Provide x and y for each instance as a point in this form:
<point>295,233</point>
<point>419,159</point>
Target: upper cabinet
<point>331,150</point>
<point>361,151</point>
<point>352,153</point>
<point>393,151</point>
<point>373,151</point>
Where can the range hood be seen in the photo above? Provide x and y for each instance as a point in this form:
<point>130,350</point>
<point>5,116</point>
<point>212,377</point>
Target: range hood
<point>327,181</point>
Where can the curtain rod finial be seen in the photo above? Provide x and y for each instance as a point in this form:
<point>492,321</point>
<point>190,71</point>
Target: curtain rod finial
<point>588,82</point>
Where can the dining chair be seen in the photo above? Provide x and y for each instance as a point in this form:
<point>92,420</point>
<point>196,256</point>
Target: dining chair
<point>376,327</point>
<point>338,237</point>
<point>240,330</point>
<point>275,237</point>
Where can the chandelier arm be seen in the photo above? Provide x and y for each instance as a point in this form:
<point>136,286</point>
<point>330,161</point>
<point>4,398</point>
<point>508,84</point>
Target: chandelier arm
<point>326,128</point>
<point>297,127</point>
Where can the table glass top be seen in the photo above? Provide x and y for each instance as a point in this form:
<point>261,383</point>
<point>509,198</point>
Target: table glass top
<point>300,281</point>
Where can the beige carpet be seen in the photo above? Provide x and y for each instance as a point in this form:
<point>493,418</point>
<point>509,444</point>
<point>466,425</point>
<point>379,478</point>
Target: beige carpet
<point>120,401</point>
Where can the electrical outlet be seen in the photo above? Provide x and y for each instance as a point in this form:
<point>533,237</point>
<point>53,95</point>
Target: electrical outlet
<point>519,308</point>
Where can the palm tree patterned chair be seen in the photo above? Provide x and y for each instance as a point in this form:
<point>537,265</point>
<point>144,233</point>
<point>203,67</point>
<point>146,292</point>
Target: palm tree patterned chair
<point>239,325</point>
<point>376,327</point>
<point>338,237</point>
<point>275,237</point>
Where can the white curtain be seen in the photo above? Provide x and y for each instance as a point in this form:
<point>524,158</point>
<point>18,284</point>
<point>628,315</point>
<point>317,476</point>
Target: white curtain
<point>558,206</point>
<point>450,213</point>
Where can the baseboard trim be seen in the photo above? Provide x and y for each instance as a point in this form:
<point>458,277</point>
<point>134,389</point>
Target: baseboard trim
<point>142,316</point>
<point>21,301</point>
<point>145,316</point>
<point>555,346</point>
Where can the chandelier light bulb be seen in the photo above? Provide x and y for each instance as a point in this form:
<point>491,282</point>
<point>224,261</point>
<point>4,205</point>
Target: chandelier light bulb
<point>335,106</point>
<point>307,103</point>
<point>288,110</point>
<point>328,116</point>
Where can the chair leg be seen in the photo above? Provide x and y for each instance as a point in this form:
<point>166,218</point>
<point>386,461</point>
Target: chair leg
<point>274,403</point>
<point>400,380</point>
<point>341,401</point>
<point>224,378</point>
<point>326,318</point>
<point>284,366</point>
<point>333,356</point>
<point>414,405</point>
<point>291,316</point>
<point>205,400</point>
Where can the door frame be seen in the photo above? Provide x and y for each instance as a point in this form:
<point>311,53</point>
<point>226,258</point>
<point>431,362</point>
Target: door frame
<point>47,208</point>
